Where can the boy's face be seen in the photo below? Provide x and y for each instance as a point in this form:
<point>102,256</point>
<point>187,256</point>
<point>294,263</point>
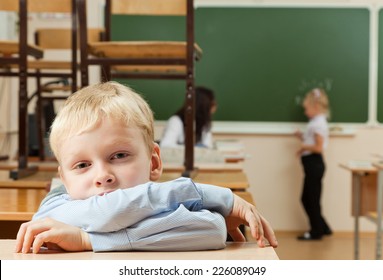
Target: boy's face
<point>109,157</point>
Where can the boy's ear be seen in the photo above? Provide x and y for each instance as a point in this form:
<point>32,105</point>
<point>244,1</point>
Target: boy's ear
<point>155,163</point>
<point>60,172</point>
<point>62,178</point>
<point>61,175</point>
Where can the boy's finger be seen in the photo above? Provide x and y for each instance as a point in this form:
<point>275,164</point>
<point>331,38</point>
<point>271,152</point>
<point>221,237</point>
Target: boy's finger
<point>28,239</point>
<point>20,238</point>
<point>237,235</point>
<point>40,239</point>
<point>254,224</point>
<point>261,242</point>
<point>32,230</point>
<point>254,228</point>
<point>270,235</point>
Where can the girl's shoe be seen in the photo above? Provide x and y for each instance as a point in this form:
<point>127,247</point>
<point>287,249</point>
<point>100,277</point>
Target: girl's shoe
<point>307,237</point>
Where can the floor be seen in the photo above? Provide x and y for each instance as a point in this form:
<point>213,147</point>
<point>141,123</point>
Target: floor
<point>339,246</point>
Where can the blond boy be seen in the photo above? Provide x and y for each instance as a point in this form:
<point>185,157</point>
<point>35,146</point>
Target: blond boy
<point>108,161</point>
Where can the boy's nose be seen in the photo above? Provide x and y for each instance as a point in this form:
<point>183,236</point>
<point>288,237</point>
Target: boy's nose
<point>105,180</point>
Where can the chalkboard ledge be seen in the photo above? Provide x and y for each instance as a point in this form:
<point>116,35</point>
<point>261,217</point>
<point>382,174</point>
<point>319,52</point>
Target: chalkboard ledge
<point>276,128</point>
<point>266,128</point>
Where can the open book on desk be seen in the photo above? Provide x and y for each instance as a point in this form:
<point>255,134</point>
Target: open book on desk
<point>232,150</point>
<point>206,160</point>
<point>201,155</point>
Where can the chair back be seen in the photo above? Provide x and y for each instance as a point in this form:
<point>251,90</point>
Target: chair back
<point>38,6</point>
<point>148,7</point>
<point>60,38</point>
<point>21,51</point>
<point>9,5</point>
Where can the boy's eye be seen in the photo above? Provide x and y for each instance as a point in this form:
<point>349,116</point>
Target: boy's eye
<point>81,165</point>
<point>120,155</point>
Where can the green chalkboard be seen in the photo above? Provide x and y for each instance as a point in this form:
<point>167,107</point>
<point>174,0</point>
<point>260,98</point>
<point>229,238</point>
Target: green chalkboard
<point>261,61</point>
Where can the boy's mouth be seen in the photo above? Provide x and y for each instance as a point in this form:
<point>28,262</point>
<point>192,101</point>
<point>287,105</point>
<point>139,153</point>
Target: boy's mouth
<point>105,192</point>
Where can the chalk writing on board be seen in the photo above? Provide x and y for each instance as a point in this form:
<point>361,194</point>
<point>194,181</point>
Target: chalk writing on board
<point>306,85</point>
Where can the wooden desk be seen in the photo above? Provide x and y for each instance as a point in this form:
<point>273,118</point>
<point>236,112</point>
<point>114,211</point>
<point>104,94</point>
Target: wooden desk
<point>49,166</point>
<point>233,251</point>
<point>205,167</point>
<point>20,199</point>
<point>39,180</point>
<point>233,180</point>
<point>17,206</point>
<point>364,181</point>
<point>377,216</point>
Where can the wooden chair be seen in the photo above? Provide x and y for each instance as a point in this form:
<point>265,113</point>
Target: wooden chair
<point>66,70</point>
<point>146,59</point>
<point>13,61</point>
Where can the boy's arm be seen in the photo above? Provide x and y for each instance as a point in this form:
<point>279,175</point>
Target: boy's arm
<point>179,230</point>
<point>123,208</point>
<point>154,198</point>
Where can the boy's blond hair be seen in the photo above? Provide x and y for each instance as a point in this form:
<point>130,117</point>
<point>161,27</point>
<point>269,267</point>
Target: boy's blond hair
<point>318,96</point>
<point>86,108</point>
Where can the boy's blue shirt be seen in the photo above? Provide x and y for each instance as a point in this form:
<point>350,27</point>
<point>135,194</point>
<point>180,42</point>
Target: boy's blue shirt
<point>169,216</point>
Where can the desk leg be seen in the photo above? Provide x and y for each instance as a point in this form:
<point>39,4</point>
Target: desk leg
<point>16,174</point>
<point>379,221</point>
<point>356,182</point>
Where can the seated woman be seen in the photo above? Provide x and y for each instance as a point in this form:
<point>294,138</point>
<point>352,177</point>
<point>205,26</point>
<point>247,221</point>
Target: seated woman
<point>206,106</point>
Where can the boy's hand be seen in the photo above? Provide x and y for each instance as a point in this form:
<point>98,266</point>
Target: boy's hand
<point>51,233</point>
<point>232,226</point>
<point>246,213</point>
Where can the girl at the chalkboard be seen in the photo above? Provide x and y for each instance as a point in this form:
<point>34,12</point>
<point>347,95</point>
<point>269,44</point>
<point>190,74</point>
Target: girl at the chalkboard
<point>314,141</point>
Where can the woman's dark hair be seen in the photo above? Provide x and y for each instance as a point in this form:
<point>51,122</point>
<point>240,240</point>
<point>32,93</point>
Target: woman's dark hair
<point>204,101</point>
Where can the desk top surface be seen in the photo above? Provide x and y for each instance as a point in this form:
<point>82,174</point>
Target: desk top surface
<point>359,166</point>
<point>378,165</point>
<point>19,204</point>
<point>232,180</point>
<point>233,251</point>
<point>39,180</point>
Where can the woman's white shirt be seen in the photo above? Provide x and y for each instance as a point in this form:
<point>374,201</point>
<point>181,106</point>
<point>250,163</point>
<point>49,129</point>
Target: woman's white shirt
<point>173,135</point>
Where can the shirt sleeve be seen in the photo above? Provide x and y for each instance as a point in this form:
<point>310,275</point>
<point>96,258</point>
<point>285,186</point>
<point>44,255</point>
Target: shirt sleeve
<point>320,129</point>
<point>178,230</point>
<point>125,207</point>
<point>174,130</point>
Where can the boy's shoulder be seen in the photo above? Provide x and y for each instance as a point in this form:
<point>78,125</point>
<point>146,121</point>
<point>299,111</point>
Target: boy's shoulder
<point>57,189</point>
